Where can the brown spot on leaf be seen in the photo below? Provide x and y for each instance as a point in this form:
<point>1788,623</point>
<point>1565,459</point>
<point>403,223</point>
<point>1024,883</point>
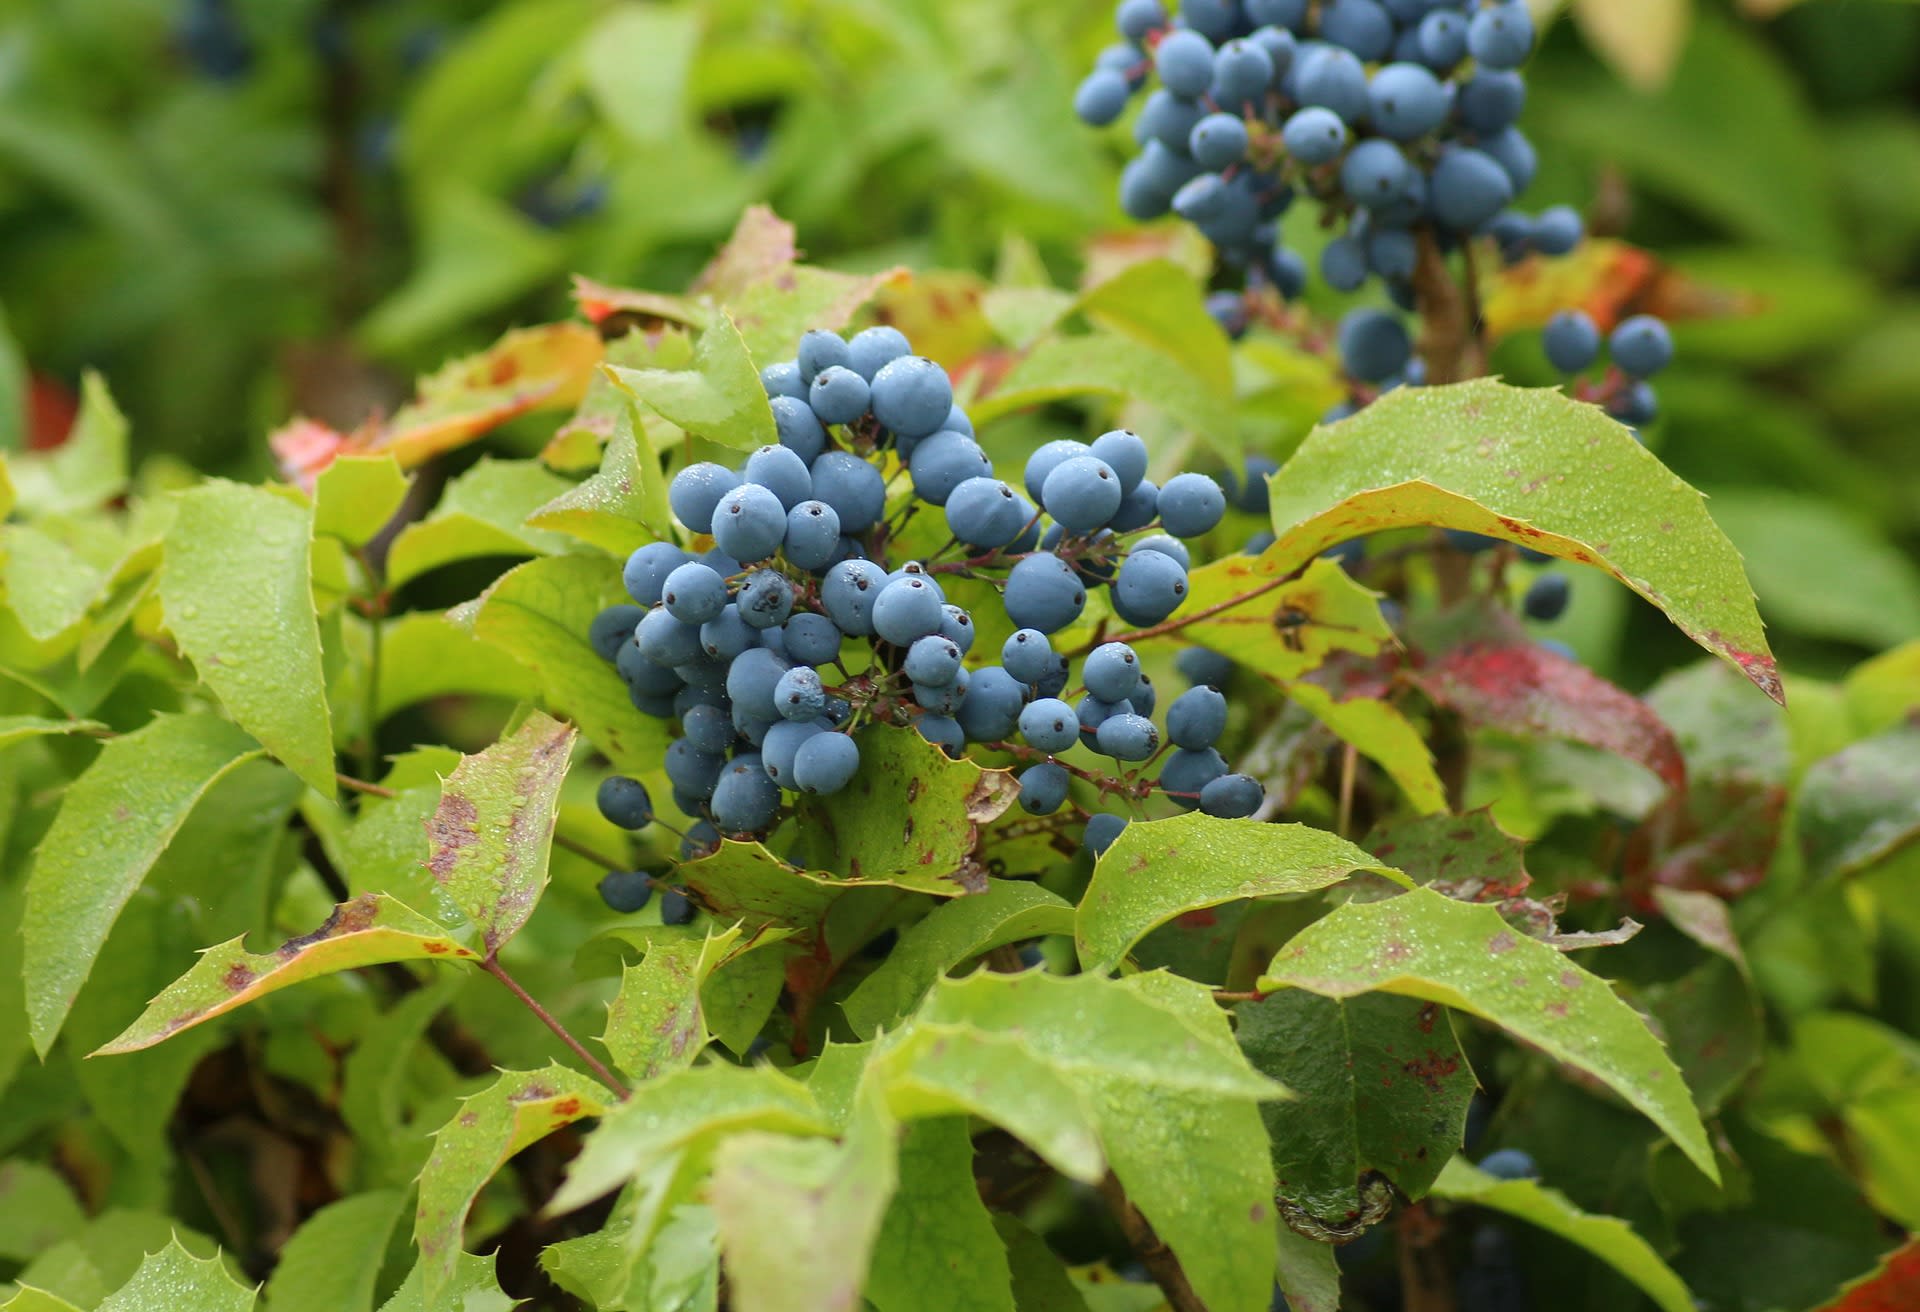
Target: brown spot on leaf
<point>237,977</point>
<point>567,1107</point>
<point>1504,941</point>
<point>450,829</point>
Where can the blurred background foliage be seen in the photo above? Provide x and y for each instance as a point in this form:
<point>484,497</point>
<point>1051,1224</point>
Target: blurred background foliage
<point>240,211</point>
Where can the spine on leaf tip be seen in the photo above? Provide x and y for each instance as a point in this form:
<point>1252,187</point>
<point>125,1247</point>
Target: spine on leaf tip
<point>809,618</point>
<point>1399,123</point>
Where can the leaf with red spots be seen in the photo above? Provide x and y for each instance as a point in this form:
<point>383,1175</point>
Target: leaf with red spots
<point>1423,945</point>
<point>1892,1287</point>
<point>490,835</point>
<point>1160,869</point>
<point>1467,856</point>
<point>371,929</point>
<point>656,1022</point>
<point>1532,692</point>
<point>519,1108</point>
<point>1534,467</point>
<point>1383,1086</point>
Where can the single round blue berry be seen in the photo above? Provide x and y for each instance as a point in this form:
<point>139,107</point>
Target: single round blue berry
<point>1101,831</point>
<point>798,428</point>
<point>1374,345</point>
<point>911,395</point>
<point>1641,346</point>
<point>1547,597</point>
<point>1043,788</point>
<point>1281,46</point>
<point>610,630</point>
<point>783,379</point>
<point>1111,671</point>
<point>691,770</point>
<point>1242,72</point>
<point>749,523</point>
<point>819,350</point>
<point>1510,149</point>
<point>932,661</point>
<point>1138,508</point>
<point>1216,20</point>
<point>813,535</point>
<point>1203,668</point>
<point>1332,78</point>
<point>1167,121</point>
<point>626,891</point>
<point>906,610</point>
<point>1218,140</point>
<point>991,708</point>
<point>665,640</point>
<point>1045,459</point>
<point>1197,718</point>
<point>848,593</point>
<point>1136,18</point>
<point>1127,737</point>
<point>1375,172</point>
<point>751,683</point>
<point>624,802</point>
<point>1101,97</point>
<point>745,801</point>
<point>1443,39</point>
<point>956,626</point>
<point>944,732</point>
<point>1027,656</point>
<point>701,839</point>
<point>812,639</point>
<point>1082,493</point>
<point>1043,592</point>
<point>1125,454</point>
<point>1314,135</point>
<point>696,491</point>
<point>643,674</point>
<point>676,908</point>
<point>1091,712</point>
<point>1491,100</point>
<point>1203,199</point>
<point>1501,36</point>
<point>1187,772</point>
<point>1166,546</point>
<point>1468,188</point>
<point>1572,341</point>
<point>1232,797</point>
<point>943,462</point>
<point>1049,725</point>
<point>1636,406</point>
<point>646,570</point>
<point>726,635</point>
<point>838,395</point>
<point>1190,505</point>
<point>1184,60</point>
<point>946,698</point>
<point>854,488</point>
<point>1149,587</point>
<point>799,695</point>
<point>694,594</point>
<point>1510,1164</point>
<point>781,471</point>
<point>1362,26</point>
<point>872,349</point>
<point>709,728</point>
<point>1558,229</point>
<point>1343,263</point>
<point>766,599</point>
<point>1407,101</point>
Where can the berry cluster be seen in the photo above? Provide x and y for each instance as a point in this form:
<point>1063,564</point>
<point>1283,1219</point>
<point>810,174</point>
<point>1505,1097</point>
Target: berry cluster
<point>1640,347</point>
<point>774,645</point>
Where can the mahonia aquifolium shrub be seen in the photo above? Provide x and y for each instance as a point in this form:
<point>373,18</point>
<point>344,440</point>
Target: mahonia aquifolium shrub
<point>799,626</point>
<point>1399,120</point>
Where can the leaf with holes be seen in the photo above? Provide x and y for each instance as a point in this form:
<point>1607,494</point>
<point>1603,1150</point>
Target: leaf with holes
<point>238,594</point>
<point>1383,1086</point>
<point>113,824</point>
<point>1607,1238</point>
<point>492,831</point>
<point>910,810</point>
<point>1534,467</point>
<point>1160,869</point>
<point>519,1108</point>
<point>371,929</point>
<point>1530,691</point>
<point>957,931</point>
<point>1423,945</point>
<point>656,1023</point>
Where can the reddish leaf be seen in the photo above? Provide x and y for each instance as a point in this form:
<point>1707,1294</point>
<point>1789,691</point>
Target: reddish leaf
<point>600,302</point>
<point>1894,1287</point>
<point>761,247</point>
<point>1532,692</point>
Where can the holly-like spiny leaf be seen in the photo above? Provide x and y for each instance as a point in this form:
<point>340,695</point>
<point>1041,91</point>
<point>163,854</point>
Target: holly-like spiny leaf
<point>113,824</point>
<point>937,1251</point>
<point>492,831</point>
<point>371,929</point>
<point>621,506</point>
<point>1535,467</point>
<point>172,1280</point>
<point>720,398</point>
<point>1423,945</point>
<point>656,1022</point>
<point>356,495</point>
<point>333,1260</point>
<point>745,882</point>
<point>1282,629</point>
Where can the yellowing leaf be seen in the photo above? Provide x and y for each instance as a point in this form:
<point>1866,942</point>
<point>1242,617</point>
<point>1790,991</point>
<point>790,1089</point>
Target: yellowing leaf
<point>1289,628</point>
<point>1642,39</point>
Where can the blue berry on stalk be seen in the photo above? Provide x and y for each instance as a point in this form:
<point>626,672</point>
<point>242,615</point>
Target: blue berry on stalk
<point>1136,18</point>
<point>1043,788</point>
<point>1314,135</point>
<point>626,891</point>
<point>1213,19</point>
<point>694,594</point>
<point>812,639</point>
<point>1501,36</point>
<point>696,491</point>
<point>798,428</point>
<point>783,472</point>
<point>1332,78</point>
<point>944,699</point>
<point>813,535</point>
<point>1203,668</point>
<point>1443,39</point>
<point>1190,505</point>
<point>1491,100</point>
<point>1510,149</point>
<point>819,349</point>
<point>782,743</point>
<point>1125,454</point>
<point>1557,230</point>
<point>1184,61</point>
<point>987,513</point>
<point>726,635</point>
<point>1101,831</point>
<point>752,680</point>
<point>1362,26</point>
<point>624,802</point>
<point>991,708</point>
<point>1168,121</point>
<point>1572,341</point>
<point>1044,593</point>
<point>911,395</point>
<point>1187,772</point>
<point>1407,101</point>
<point>1166,546</point>
<point>664,640</point>
<point>746,800</point>
<point>1641,346</point>
<point>676,908</point>
<point>1467,188</point>
<point>783,379</point>
<point>1375,172</point>
<point>1045,459</point>
<point>932,662</point>
<point>956,627</point>
<point>1203,199</point>
<point>1026,655</point>
<point>1141,506</point>
<point>943,462</point>
<point>1232,797</point>
<point>1218,140</point>
<point>1510,1164</point>
<point>749,523</point>
<point>1636,406</point>
<point>1111,671</point>
<point>1149,587</point>
<point>872,349</point>
<point>826,763</point>
<point>1049,725</point>
<point>1101,97</point>
<point>1374,345</point>
<point>1082,493</point>
<point>708,728</point>
<point>1343,263</point>
<point>838,395</point>
<point>1547,597</point>
<point>943,732</point>
<point>798,695</point>
<point>853,487</point>
<point>691,770</point>
<point>611,628</point>
<point>1197,718</point>
<point>906,610</point>
<point>646,570</point>
<point>701,839</point>
<point>1127,737</point>
<point>1242,72</point>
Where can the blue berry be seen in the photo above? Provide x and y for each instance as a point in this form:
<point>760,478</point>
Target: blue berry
<point>1218,140</point>
<point>944,732</point>
<point>1197,718</point>
<point>1184,61</point>
<point>838,395</point>
<point>1190,505</point>
<point>1558,229</point>
<point>1049,725</point>
<point>646,570</point>
<point>1044,593</point>
<point>745,800</point>
<point>1443,39</point>
<point>1045,459</point>
<point>1641,346</point>
<point>1204,199</point>
<point>1091,712</point>
<point>1290,14</point>
<point>1392,253</point>
<point>1101,831</point>
<point>1636,406</point>
<point>798,695</point>
<point>1374,345</point>
<point>1082,493</point>
<point>911,396</point>
<point>1043,788</point>
<point>694,594</point>
<point>1362,26</point>
<point>872,349</point>
<point>944,699</point>
<point>987,513</point>
<point>782,743</point>
<point>611,628</point>
<point>798,428</point>
<point>1491,100</point>
<point>624,802</point>
<point>1168,121</point>
<point>906,610</point>
<point>1111,671</point>
<point>1375,172</point>
<point>1027,656</point>
<point>1547,597</point>
<point>956,626</point>
<point>991,707</point>
<point>751,683</point>
<point>1166,546</point>
<point>1101,97</point>
<point>1187,772</point>
<point>691,770</point>
<point>696,491</point>
<point>664,640</point>
<point>1141,506</point>
<point>1510,1164</point>
<point>1467,188</point>
<point>813,535</point>
<point>726,635</point>
<point>1407,101</point>
<point>848,593</point>
<point>1232,797</point>
<point>1149,587</point>
<point>781,471</point>
<point>1242,72</point>
<point>854,488</point>
<point>783,379</point>
<point>1501,36</point>
<point>676,908</point>
<point>1510,149</point>
<point>1125,454</point>
<point>1136,18</point>
<point>1572,341</point>
<point>749,523</point>
<point>1203,668</point>
<point>932,661</point>
<point>626,891</point>
<point>1281,47</point>
<point>812,640</point>
<point>943,462</point>
<point>819,350</point>
<point>1332,78</point>
<point>1127,737</point>
<point>1343,263</point>
<point>709,728</point>
<point>1314,135</point>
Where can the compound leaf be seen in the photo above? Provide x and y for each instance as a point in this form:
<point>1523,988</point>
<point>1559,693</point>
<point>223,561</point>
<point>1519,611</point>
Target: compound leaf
<point>173,1280</point>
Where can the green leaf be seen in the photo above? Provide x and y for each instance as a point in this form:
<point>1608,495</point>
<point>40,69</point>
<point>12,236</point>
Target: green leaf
<point>539,614</point>
<point>48,585</point>
<point>37,1210</point>
<point>747,883</point>
<point>1307,1273</point>
<point>371,929</point>
<point>1009,911</point>
<point>378,1072</point>
<point>910,809</point>
<point>482,513</point>
<point>239,600</point>
<point>1858,806</point>
<point>107,1254</point>
<point>636,61</point>
<point>624,505</point>
<point>333,1259</point>
<point>113,823</point>
<point>491,834</point>
<point>472,1287</point>
<point>720,398</point>
<point>1383,1087</point>
<point>1607,1238</point>
<point>1107,364</point>
<point>1534,467</point>
<point>13,402</point>
<point>16,728</point>
<point>173,1279</point>
<point>1423,945</point>
<point>1160,869</point>
<point>423,657</point>
<point>1040,1280</point>
<point>356,495</point>
<point>36,1300</point>
<point>798,1217</point>
<point>89,469</point>
<point>1893,1283</point>
<point>773,311</point>
<point>680,1112</point>
<point>519,1108</point>
<point>743,990</point>
<point>1325,610</point>
<point>1159,304</point>
<point>937,1250</point>
<point>1378,730</point>
<point>656,1023</point>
